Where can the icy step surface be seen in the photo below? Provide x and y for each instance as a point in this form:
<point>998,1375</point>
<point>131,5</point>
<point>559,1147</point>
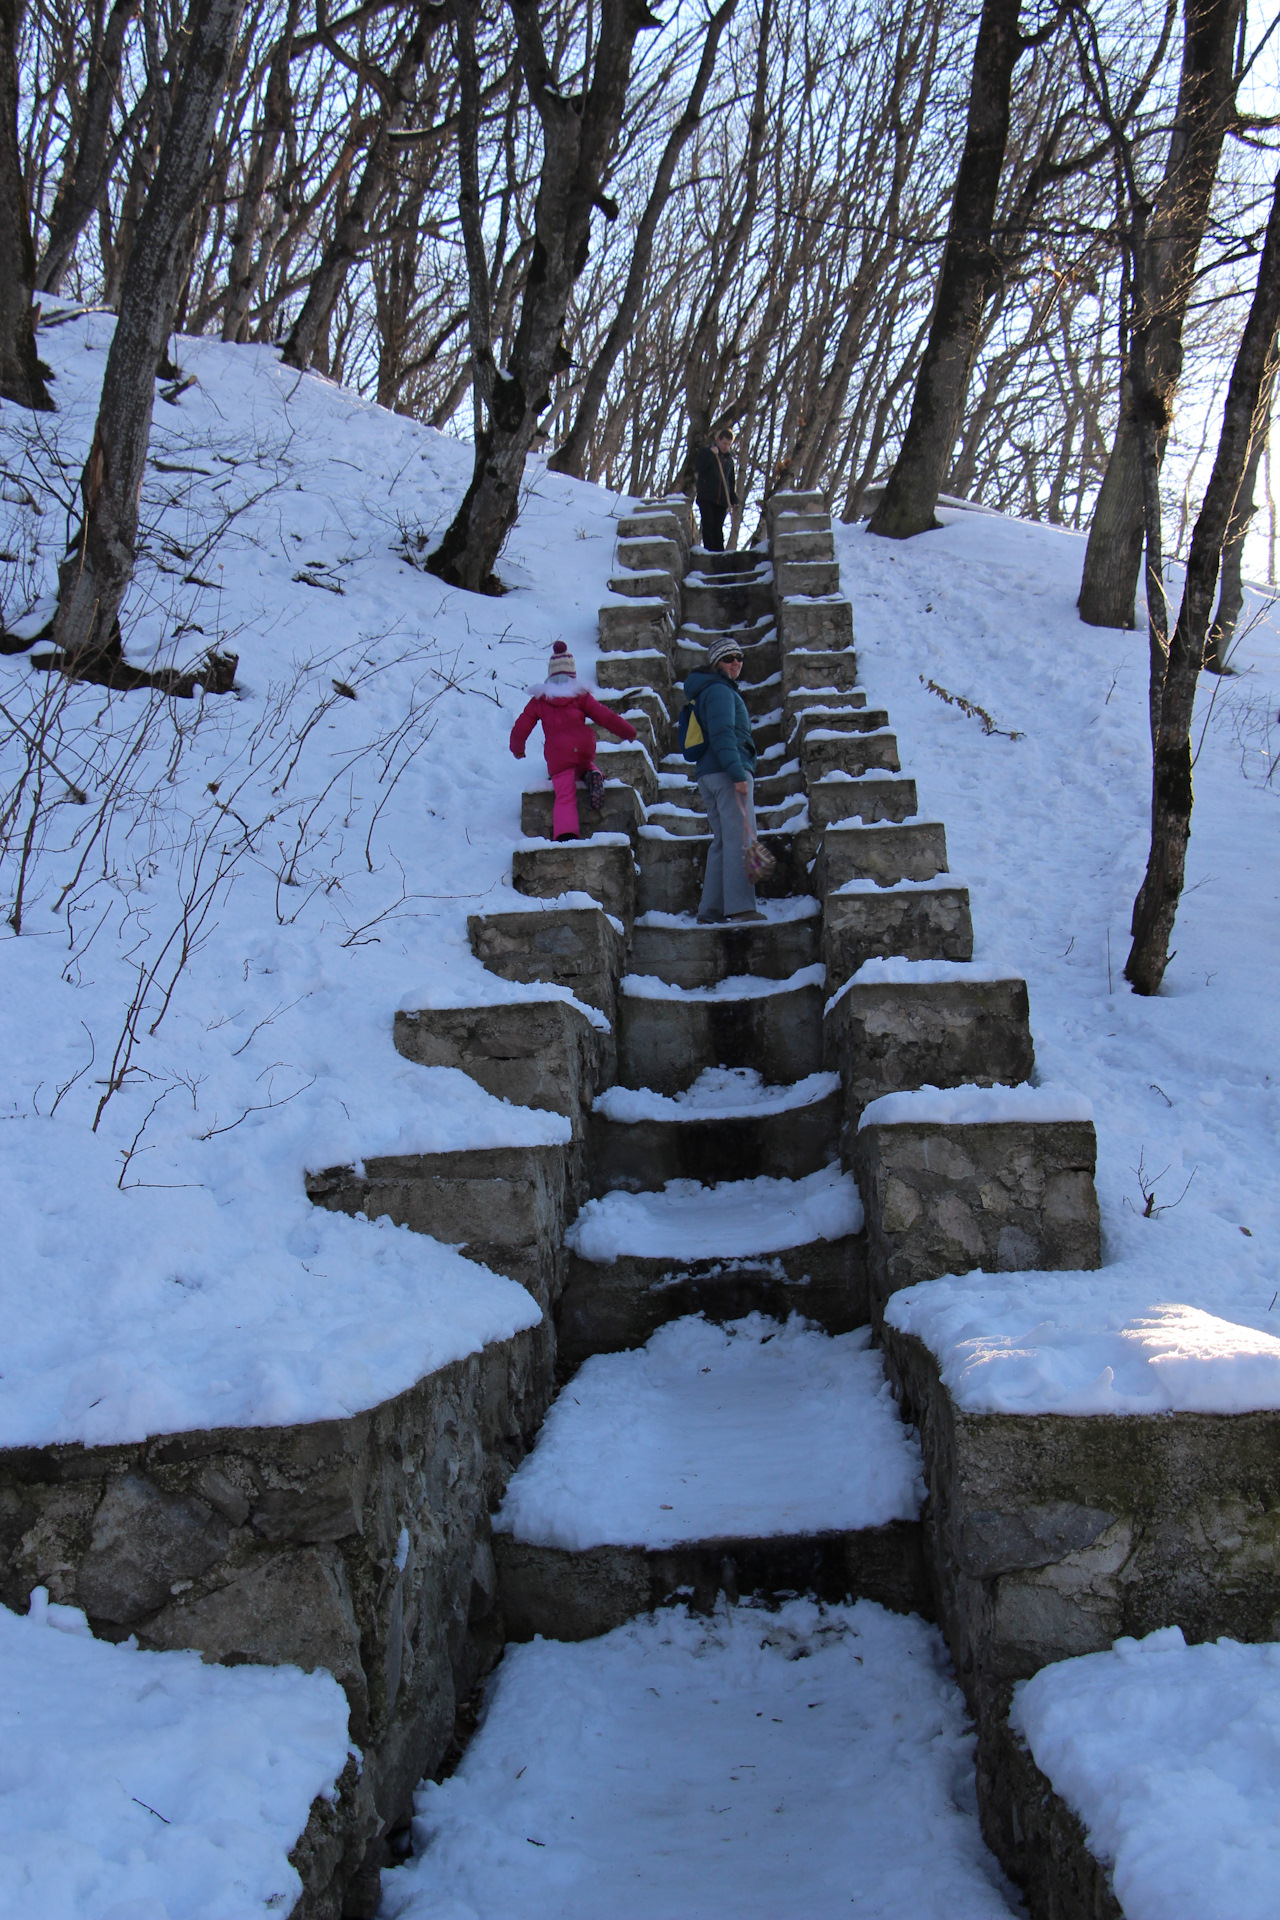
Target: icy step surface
<point>753,1429</point>
<point>145,1784</point>
<point>719,1093</point>
<point>806,1762</point>
<point>726,1222</point>
<point>731,1221</point>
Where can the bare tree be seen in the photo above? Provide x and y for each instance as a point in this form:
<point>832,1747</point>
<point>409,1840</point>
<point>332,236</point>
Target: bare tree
<point>579,132</point>
<point>1156,906</point>
<point>1217,651</point>
<point>22,378</point>
<point>95,575</point>
<point>1166,243</point>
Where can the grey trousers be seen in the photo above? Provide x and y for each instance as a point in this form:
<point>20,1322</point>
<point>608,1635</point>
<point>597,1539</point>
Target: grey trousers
<point>726,888</point>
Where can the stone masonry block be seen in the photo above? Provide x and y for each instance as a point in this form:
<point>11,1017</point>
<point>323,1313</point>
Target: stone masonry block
<point>601,868</point>
<point>780,505</point>
<point>810,626</point>
<point>868,799</point>
<point>803,543</point>
<point>853,753</point>
<point>888,1038</point>
<point>641,626</point>
<point>807,577</point>
<point>912,923</point>
<point>1005,1196</point>
<point>575,947</point>
<point>651,555</point>
<point>1052,1535</point>
<point>645,668</point>
<point>622,811</point>
<point>818,667</point>
<point>655,584</point>
<point>534,1053</point>
<point>885,854</point>
<point>284,1545</point>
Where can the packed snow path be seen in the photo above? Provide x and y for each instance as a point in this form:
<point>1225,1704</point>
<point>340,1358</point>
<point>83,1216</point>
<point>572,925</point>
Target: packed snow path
<point>809,1761</point>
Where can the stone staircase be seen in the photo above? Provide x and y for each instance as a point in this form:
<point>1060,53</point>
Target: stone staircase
<point>733,1155</point>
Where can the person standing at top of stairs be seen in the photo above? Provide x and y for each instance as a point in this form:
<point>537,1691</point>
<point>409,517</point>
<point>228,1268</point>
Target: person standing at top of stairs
<point>714,489</point>
<point>564,706</point>
<point>725,772</point>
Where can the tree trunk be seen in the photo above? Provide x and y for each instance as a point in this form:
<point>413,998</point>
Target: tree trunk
<point>969,270</point>
<point>243,272</point>
<point>1157,903</point>
<point>351,234</point>
<point>1217,652</point>
<point>578,139</point>
<point>571,457</point>
<point>1205,97</point>
<point>82,188</point>
<point>96,573</point>
<point>22,378</point>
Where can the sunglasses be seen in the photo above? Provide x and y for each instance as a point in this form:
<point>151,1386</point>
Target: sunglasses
<point>729,660</point>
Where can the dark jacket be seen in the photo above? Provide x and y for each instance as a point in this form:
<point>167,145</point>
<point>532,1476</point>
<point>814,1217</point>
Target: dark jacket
<point>713,484</point>
<point>723,717</point>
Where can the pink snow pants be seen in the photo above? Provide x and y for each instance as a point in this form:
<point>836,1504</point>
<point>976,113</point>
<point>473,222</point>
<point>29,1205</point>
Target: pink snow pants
<point>564,813</point>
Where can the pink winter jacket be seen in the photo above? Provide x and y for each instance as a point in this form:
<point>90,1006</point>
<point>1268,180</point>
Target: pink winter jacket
<point>564,707</point>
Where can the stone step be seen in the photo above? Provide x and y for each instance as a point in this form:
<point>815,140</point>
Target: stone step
<point>736,560</point>
<point>988,1177</point>
<point>678,818</point>
<point>674,948</point>
<point>805,667</point>
<point>785,504</point>
<point>673,866</point>
<point>728,1127</point>
<point>902,1024</point>
<point>708,602</point>
<point>629,762</point>
<point>810,521</point>
<point>638,1260</point>
<point>677,782</point>
<point>886,851</point>
<point>825,719</point>
<point>660,524</point>
<point>637,626</point>
<point>650,553</point>
<point>712,1444</point>
<point>822,624</point>
<point>580,948</point>
<point>533,1053</point>
<point>812,578</point>
<point>838,699</point>
<point>602,867</point>
<point>504,1207</point>
<point>622,811</point>
<point>801,543</point>
<point>645,701</point>
<point>826,751</point>
<point>867,797</point>
<point>917,921</point>
<point>667,1036</point>
<point>747,633</point>
<point>654,584</point>
<point>649,667</point>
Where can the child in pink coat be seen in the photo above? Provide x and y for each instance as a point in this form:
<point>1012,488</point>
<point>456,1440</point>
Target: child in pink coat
<point>564,706</point>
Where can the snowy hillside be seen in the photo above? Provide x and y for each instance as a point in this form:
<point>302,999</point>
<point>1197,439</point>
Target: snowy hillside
<point>323,852</point>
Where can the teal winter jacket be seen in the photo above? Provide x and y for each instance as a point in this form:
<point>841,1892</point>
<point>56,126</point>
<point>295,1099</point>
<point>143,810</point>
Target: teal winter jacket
<point>723,716</point>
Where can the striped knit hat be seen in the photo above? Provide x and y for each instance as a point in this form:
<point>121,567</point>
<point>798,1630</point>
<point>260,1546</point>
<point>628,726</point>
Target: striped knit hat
<point>724,647</point>
<point>561,661</point>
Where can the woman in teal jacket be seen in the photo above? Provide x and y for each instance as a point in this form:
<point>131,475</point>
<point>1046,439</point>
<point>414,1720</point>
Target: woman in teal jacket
<point>725,772</point>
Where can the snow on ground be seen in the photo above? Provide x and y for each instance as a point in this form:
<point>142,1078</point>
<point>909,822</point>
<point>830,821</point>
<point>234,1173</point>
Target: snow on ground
<point>1170,1756</point>
<point>317,855</point>
<point>750,1429</point>
<point>148,1786</point>
<point>1052,831</point>
<point>810,1761</point>
<point>974,1106</point>
<point>737,1218</point>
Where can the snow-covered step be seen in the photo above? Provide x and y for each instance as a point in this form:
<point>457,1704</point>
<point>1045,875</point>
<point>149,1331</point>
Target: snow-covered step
<point>833,698</point>
<point>885,851</point>
<point>867,797</point>
<point>761,657</point>
<point>667,1035</point>
<point>674,948</point>
<point>677,782</point>
<point>807,1761</point>
<point>602,867</point>
<point>729,1125</point>
<point>916,920</point>
<point>765,1443</point>
<point>628,761</point>
<point>637,1260</point>
<point>622,811</point>
<point>677,817</point>
<point>835,665</point>
<point>714,601</point>
<point>827,750</point>
<point>826,718</point>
